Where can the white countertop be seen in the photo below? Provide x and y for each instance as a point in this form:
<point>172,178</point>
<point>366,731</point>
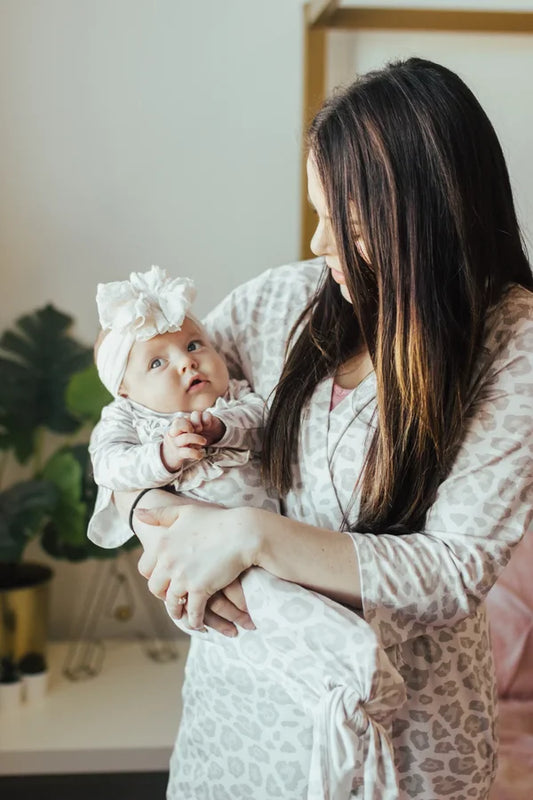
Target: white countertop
<point>123,720</point>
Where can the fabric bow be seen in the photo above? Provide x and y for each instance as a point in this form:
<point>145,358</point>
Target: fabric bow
<point>148,304</point>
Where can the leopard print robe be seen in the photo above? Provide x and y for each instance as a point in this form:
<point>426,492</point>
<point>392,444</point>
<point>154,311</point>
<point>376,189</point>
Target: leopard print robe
<point>241,735</point>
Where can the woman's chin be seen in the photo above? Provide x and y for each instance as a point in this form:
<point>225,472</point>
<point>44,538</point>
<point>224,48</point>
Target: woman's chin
<point>345,293</point>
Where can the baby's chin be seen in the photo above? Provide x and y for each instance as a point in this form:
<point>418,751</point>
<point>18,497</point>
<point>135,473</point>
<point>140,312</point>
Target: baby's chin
<point>201,402</point>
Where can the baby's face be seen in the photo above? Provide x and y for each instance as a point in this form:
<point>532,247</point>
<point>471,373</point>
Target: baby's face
<point>175,371</point>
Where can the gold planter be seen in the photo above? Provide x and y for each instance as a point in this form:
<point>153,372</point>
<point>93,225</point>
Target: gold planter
<point>24,602</point>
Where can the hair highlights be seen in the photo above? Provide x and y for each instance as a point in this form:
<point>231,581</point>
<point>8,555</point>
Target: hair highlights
<point>410,148</point>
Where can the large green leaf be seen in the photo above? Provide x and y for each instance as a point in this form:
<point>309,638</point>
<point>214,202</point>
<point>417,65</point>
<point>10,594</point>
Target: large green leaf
<point>24,508</point>
<point>65,535</point>
<point>37,359</point>
<point>64,471</point>
<point>86,395</point>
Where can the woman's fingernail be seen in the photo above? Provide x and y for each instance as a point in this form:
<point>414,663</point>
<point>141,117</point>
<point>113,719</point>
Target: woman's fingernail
<point>230,632</point>
<point>248,625</point>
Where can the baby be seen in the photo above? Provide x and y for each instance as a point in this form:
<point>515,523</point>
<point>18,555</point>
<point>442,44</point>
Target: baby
<point>177,419</point>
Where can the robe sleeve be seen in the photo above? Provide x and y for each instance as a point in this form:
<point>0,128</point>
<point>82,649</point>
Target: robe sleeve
<point>120,462</point>
<point>437,577</point>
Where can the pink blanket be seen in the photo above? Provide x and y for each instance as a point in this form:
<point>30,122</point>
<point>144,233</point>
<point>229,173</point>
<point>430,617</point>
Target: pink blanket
<point>514,780</point>
<point>510,605</point>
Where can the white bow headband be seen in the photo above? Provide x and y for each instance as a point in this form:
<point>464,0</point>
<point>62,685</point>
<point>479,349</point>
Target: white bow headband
<point>149,304</point>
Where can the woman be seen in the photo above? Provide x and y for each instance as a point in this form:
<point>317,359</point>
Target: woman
<point>399,435</point>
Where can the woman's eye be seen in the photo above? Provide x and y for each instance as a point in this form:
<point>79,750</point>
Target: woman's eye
<point>194,345</point>
<point>157,362</point>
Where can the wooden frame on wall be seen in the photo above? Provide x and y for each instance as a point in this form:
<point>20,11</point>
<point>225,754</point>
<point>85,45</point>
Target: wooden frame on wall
<point>323,15</point>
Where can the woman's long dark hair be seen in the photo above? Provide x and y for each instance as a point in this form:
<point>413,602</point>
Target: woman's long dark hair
<point>412,151</point>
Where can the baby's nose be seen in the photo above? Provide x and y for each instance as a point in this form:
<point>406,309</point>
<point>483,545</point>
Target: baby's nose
<point>187,362</point>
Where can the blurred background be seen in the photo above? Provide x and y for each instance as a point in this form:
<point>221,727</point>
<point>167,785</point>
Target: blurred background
<point>139,132</point>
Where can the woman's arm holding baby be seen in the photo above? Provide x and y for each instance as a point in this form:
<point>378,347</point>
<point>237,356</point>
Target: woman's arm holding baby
<point>208,548</point>
<point>227,607</point>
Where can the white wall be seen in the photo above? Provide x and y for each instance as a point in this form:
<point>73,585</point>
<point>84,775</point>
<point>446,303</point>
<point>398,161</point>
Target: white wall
<point>139,132</point>
<point>496,67</point>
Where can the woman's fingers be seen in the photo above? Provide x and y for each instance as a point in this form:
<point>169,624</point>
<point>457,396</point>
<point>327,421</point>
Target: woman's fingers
<point>175,608</point>
<point>235,593</point>
<point>219,624</point>
<point>224,622</point>
<point>226,609</point>
<point>158,584</point>
<point>221,613</point>
<point>175,592</point>
<point>146,564</point>
<point>161,515</point>
<point>196,603</point>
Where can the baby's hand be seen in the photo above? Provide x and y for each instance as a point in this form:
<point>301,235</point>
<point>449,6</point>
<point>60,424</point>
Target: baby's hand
<point>211,427</point>
<point>181,442</point>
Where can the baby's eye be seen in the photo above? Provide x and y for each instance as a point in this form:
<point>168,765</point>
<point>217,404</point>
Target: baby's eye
<point>194,345</point>
<point>155,363</point>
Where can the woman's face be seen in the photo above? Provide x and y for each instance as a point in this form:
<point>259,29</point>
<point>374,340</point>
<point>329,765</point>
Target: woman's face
<point>323,241</point>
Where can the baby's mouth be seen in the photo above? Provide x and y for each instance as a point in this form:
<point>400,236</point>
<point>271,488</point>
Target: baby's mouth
<point>196,383</point>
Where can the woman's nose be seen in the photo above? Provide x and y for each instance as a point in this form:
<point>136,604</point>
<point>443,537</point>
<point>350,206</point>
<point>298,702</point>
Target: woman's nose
<point>320,242</point>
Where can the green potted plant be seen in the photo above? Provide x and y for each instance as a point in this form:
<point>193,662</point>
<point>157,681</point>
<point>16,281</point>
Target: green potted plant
<point>50,397</point>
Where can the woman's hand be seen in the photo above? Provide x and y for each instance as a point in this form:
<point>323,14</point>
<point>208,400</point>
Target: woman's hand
<point>225,610</point>
<point>201,556</point>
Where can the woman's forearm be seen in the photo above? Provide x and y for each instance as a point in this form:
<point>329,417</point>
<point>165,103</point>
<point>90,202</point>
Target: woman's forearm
<point>320,559</point>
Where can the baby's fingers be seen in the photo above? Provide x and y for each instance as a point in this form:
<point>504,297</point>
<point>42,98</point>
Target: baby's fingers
<point>180,425</point>
<point>196,421</point>
<point>192,440</point>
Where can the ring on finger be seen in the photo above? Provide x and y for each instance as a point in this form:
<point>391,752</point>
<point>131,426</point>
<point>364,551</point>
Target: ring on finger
<point>182,600</point>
